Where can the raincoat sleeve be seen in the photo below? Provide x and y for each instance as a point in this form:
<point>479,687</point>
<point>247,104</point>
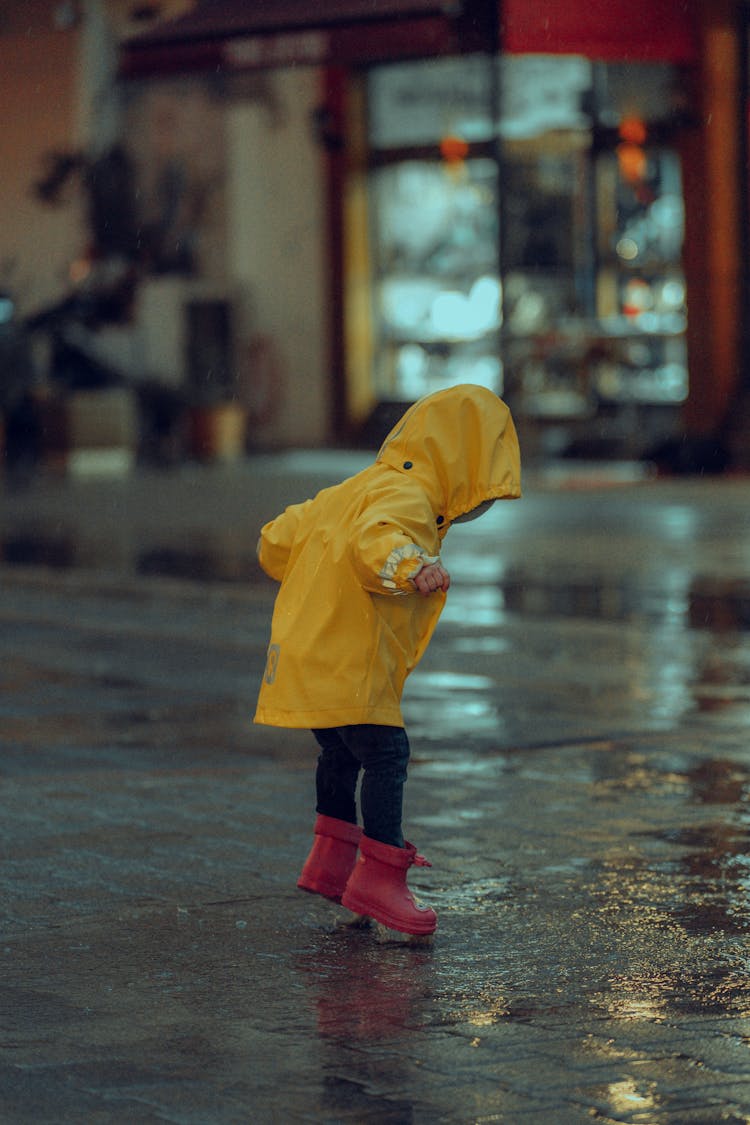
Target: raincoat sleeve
<point>277,538</point>
<point>391,543</point>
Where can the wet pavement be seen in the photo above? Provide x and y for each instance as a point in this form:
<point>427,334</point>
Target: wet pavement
<point>581,766</point>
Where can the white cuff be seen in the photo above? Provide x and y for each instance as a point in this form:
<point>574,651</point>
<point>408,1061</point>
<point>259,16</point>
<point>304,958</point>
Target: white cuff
<point>400,555</point>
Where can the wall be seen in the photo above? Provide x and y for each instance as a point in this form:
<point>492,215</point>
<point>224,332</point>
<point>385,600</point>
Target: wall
<point>276,219</point>
<point>274,212</point>
<point>38,64</point>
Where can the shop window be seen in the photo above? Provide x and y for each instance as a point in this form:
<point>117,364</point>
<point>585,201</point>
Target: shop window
<point>594,294</point>
<point>433,226</point>
<point>437,292</point>
<point>525,232</point>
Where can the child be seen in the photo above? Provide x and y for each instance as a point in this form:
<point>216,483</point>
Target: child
<point>362,588</point>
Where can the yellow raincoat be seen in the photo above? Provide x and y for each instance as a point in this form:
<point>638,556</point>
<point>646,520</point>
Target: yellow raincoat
<point>348,625</point>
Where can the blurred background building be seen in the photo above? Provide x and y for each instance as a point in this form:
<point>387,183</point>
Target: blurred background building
<point>234,224</point>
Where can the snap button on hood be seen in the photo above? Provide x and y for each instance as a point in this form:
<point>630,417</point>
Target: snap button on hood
<point>461,447</point>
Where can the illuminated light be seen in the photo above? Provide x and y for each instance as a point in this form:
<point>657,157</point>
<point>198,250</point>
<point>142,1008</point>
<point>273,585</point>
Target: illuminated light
<point>673,294</point>
<point>674,381</point>
<point>454,149</point>
<point>530,312</point>
<point>626,1096</point>
<point>637,297</point>
<point>412,361</point>
<point>456,681</point>
<point>449,314</point>
<point>466,317</point>
<point>648,321</point>
<point>485,299</point>
<point>609,382</point>
<point>633,130</point>
<point>631,160</point>
<point>412,367</point>
<point>493,1010</point>
<point>406,303</point>
<point>627,249</point>
<point>487,371</point>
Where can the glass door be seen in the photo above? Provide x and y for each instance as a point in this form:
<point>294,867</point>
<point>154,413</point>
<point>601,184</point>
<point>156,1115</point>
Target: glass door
<point>436,289</point>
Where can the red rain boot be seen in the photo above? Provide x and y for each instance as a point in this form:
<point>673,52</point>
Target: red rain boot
<point>331,859</point>
<point>377,887</point>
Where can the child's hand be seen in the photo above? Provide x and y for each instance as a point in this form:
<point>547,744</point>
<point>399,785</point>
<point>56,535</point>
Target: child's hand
<point>430,578</point>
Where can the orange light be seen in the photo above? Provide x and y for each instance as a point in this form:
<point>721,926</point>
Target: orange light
<point>632,130</point>
<point>637,297</point>
<point>631,160</point>
<point>454,150</point>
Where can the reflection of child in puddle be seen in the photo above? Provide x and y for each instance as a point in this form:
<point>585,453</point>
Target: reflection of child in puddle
<point>362,588</point>
<point>366,996</point>
<point>367,1006</point>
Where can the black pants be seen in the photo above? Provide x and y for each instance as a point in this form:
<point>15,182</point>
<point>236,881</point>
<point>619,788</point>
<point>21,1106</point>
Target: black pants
<point>382,753</point>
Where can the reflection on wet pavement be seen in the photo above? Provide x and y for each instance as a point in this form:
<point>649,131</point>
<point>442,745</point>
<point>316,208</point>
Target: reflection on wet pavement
<point>32,548</point>
<point>198,561</point>
<point>705,603</point>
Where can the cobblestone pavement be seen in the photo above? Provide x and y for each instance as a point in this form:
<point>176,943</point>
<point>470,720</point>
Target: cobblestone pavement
<point>579,781</point>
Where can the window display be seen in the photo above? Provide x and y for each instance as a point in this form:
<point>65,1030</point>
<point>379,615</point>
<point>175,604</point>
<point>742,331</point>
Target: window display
<point>526,227</point>
<point>591,243</point>
<point>437,293</point>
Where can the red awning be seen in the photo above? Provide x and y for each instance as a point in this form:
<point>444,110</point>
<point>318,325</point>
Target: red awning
<point>247,34</point>
<point>243,34</point>
<point>626,30</point>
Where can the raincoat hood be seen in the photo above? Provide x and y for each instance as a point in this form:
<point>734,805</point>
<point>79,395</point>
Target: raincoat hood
<point>460,445</point>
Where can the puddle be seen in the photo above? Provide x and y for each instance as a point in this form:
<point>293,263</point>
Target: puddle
<point>195,561</point>
<point>198,565</point>
<point>706,603</point>
<point>721,606</point>
<point>703,603</point>
<point>56,552</point>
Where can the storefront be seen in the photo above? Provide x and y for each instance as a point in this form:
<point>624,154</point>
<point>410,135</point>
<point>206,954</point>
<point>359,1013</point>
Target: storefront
<point>513,217</point>
<point>525,225</point>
